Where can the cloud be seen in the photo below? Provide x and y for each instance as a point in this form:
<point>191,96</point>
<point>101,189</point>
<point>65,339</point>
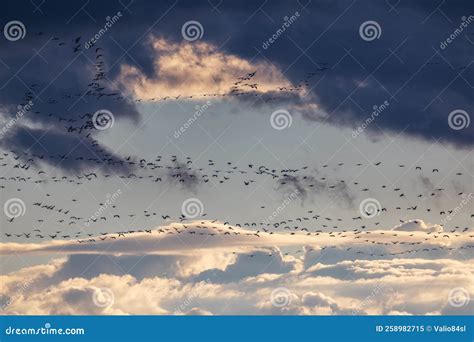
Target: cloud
<point>395,286</point>
<point>69,155</point>
<point>160,273</point>
<point>62,93</point>
<point>198,312</point>
<point>191,237</point>
<point>249,265</point>
<point>198,70</point>
<point>150,265</point>
<point>417,226</point>
<point>377,269</point>
<point>172,67</point>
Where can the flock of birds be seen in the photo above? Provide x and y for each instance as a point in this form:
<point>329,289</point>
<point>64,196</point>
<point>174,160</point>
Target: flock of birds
<point>78,227</point>
<point>244,86</point>
<point>74,225</point>
<point>205,230</point>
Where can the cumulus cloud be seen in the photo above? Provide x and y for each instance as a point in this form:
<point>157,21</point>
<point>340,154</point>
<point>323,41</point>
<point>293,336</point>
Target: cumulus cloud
<point>316,299</point>
<point>395,286</point>
<point>196,70</point>
<point>238,273</point>
<point>417,226</point>
<point>251,264</point>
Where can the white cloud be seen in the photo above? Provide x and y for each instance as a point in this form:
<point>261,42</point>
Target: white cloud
<point>397,286</point>
<point>235,273</point>
<point>191,70</point>
<point>417,226</point>
<point>224,238</point>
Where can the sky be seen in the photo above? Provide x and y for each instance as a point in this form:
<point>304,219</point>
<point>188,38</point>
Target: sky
<point>214,157</point>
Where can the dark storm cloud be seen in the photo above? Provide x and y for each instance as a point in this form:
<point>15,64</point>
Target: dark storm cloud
<point>63,87</point>
<point>406,66</point>
<point>75,153</point>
